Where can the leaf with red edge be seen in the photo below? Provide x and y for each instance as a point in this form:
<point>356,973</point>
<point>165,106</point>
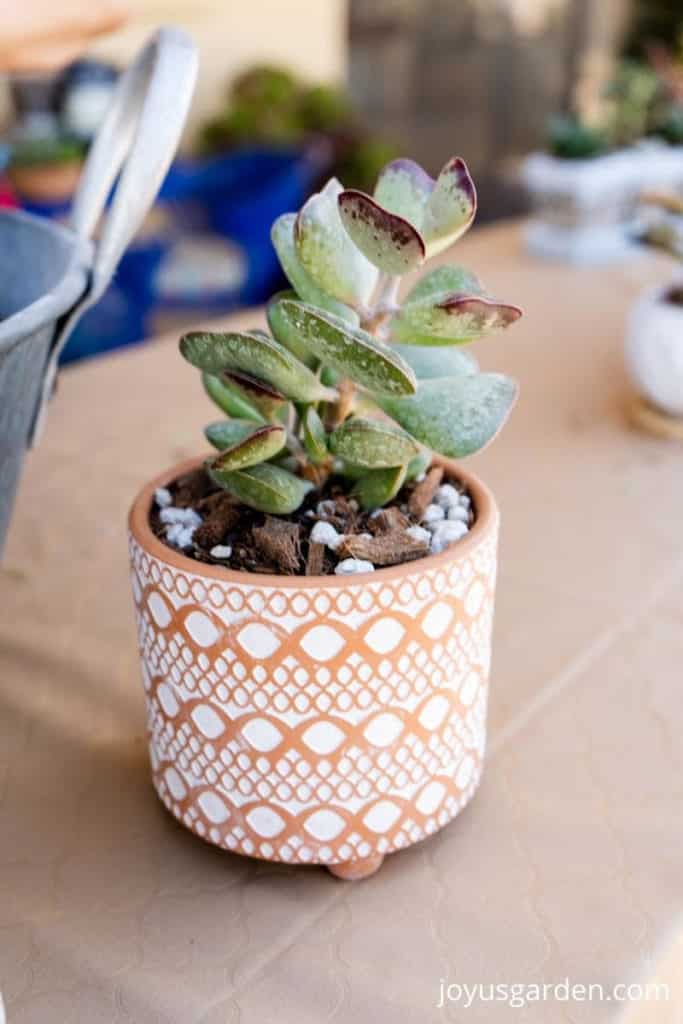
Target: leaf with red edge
<point>386,239</point>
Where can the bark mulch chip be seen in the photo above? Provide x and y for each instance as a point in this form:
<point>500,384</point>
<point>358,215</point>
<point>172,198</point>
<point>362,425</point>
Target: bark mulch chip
<point>383,549</point>
<point>280,542</point>
<point>423,493</point>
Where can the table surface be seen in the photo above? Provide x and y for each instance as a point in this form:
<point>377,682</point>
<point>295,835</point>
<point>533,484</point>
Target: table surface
<point>568,862</point>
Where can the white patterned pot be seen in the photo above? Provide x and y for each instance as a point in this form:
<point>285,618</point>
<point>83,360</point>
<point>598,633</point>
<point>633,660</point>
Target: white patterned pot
<point>654,351</point>
<point>316,720</point>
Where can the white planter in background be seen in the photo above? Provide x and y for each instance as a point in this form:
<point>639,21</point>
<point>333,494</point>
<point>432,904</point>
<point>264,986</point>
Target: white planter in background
<point>661,166</point>
<point>654,351</point>
<point>582,210</point>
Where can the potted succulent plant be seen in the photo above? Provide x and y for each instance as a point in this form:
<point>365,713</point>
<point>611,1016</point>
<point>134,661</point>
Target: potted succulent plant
<point>584,189</point>
<point>46,171</point>
<point>314,600</point>
<point>654,336</point>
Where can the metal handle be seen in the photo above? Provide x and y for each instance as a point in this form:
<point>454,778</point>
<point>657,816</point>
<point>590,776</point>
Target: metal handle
<point>138,137</point>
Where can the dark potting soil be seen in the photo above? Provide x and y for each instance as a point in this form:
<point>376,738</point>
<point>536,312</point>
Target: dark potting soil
<point>674,295</point>
<point>281,544</point>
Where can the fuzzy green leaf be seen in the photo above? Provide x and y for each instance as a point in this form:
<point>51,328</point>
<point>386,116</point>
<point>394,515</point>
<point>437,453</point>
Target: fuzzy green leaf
<point>378,486</point>
<point>282,331</point>
<point>372,443</point>
<point>256,355</point>
<point>451,207</point>
<point>388,241</point>
<point>354,353</point>
<point>268,400</point>
<point>437,362</point>
<point>282,235</point>
<point>453,319</point>
<point>265,487</point>
<point>315,438</point>
<point>404,188</point>
<point>455,416</point>
<point>326,252</point>
<point>440,210</point>
<point>229,398</point>
<point>419,464</point>
<point>243,444</point>
<point>440,282</point>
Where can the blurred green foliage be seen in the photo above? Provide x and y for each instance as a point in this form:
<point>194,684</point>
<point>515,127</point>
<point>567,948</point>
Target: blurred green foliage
<point>270,106</point>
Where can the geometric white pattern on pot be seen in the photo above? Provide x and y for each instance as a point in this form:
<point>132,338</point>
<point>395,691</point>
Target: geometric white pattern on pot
<point>316,724</point>
<point>322,643</point>
<point>323,737</point>
<point>384,635</point>
<point>383,730</point>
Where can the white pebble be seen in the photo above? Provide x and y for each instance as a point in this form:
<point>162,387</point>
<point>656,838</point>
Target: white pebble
<point>377,512</point>
<point>458,512</point>
<point>325,533</point>
<point>180,535</point>
<point>447,533</point>
<point>465,501</point>
<point>419,533</point>
<point>350,566</point>
<point>447,495</point>
<point>183,516</point>
<point>326,508</point>
<point>220,551</point>
<point>432,514</point>
<point>420,477</point>
<point>163,498</point>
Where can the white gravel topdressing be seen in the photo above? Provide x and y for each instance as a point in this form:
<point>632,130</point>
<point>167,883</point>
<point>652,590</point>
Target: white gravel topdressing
<point>445,521</point>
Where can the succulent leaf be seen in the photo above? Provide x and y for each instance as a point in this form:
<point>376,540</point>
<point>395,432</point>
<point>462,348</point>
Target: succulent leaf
<point>436,284</point>
<point>315,438</point>
<point>283,333</point>
<point>454,320</point>
<point>372,443</point>
<point>245,352</point>
<point>437,361</point>
<point>229,398</point>
<point>419,464</point>
<point>244,444</point>
<point>404,188</point>
<point>448,307</point>
<point>265,487</point>
<point>451,207</point>
<point>267,399</point>
<point>441,211</point>
<point>378,486</point>
<point>455,416</point>
<point>354,353</point>
<point>326,252</point>
<point>388,240</point>
<point>282,235</point>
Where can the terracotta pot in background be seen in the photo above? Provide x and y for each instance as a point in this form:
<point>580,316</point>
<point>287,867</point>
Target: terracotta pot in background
<point>316,720</point>
<point>51,183</point>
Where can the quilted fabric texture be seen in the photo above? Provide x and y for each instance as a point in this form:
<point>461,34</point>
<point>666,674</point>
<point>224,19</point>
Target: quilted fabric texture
<point>316,724</point>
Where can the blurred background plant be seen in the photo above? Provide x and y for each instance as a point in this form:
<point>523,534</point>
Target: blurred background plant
<point>270,106</point>
<point>338,88</point>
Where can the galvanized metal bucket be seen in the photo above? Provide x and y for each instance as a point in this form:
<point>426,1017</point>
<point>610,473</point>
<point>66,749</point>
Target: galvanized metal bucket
<point>49,275</point>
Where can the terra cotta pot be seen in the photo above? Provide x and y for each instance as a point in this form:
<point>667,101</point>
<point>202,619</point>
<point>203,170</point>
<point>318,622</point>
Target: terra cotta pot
<point>316,720</point>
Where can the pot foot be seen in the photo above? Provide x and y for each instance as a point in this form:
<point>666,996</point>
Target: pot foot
<point>354,870</point>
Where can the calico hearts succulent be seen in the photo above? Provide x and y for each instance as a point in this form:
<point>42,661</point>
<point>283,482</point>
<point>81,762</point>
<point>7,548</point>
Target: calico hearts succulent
<point>348,380</point>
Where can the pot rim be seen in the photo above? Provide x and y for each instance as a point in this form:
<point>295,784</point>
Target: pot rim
<point>61,298</point>
<point>485,523</point>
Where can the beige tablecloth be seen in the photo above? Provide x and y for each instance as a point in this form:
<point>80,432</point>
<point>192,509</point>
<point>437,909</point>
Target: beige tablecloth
<point>568,863</point>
